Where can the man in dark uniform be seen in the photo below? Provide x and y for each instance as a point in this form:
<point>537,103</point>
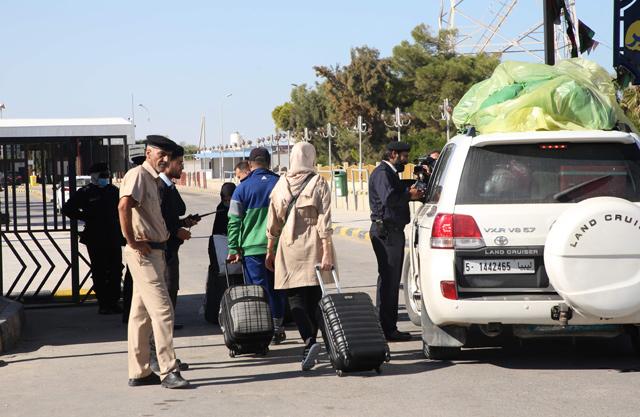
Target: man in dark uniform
<point>389,203</point>
<point>96,205</point>
<point>172,208</point>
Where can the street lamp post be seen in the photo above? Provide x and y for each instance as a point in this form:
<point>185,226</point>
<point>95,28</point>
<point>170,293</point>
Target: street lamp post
<point>400,120</point>
<point>330,133</point>
<point>271,139</point>
<point>279,138</point>
<point>306,136</point>
<point>360,128</point>
<point>142,106</point>
<point>288,149</point>
<point>222,135</point>
<point>445,113</point>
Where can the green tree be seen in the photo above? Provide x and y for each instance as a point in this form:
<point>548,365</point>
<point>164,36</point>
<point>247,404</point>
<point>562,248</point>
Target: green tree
<point>360,88</point>
<point>428,71</point>
<point>283,116</point>
<point>189,150</point>
<point>419,75</point>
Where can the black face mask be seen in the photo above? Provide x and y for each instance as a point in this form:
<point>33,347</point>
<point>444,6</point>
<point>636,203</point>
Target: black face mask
<point>399,166</point>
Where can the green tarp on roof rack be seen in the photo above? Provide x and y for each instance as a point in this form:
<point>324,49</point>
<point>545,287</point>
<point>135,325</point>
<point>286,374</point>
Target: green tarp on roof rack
<point>575,94</point>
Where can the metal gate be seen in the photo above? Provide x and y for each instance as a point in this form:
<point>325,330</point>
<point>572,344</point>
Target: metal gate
<point>41,261</point>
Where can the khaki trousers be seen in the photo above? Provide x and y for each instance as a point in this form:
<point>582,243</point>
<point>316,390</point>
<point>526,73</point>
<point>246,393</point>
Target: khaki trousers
<point>151,310</point>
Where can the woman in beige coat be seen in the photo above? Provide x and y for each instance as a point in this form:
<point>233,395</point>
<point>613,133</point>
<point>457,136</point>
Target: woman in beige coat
<point>303,240</point>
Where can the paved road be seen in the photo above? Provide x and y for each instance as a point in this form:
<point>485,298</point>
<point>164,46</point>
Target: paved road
<point>72,362</point>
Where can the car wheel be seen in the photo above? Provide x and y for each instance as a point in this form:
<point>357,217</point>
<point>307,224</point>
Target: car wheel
<point>634,336</point>
<point>410,286</point>
<point>440,352</point>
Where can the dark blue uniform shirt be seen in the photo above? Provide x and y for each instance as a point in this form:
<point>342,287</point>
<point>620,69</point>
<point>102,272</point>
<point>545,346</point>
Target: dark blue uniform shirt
<point>97,207</point>
<point>388,197</point>
<point>172,208</point>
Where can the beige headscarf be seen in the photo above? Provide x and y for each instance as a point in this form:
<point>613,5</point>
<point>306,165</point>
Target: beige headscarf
<point>302,163</point>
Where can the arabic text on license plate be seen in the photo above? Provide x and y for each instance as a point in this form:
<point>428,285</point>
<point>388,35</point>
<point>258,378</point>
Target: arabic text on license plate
<point>498,266</point>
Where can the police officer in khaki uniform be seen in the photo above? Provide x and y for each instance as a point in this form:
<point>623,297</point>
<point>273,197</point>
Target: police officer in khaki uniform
<point>146,233</point>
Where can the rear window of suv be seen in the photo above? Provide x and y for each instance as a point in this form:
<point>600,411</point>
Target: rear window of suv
<point>562,173</point>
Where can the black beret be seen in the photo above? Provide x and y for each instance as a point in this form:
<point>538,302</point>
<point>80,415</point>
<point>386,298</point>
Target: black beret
<point>138,160</point>
<point>98,167</point>
<point>179,151</point>
<point>260,155</point>
<point>398,146</point>
<point>161,142</point>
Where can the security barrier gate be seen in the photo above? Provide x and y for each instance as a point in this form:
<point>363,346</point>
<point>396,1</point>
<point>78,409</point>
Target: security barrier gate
<point>41,261</point>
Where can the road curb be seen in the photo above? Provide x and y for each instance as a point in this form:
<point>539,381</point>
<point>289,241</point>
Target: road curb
<point>351,232</point>
<point>357,233</point>
<point>11,323</point>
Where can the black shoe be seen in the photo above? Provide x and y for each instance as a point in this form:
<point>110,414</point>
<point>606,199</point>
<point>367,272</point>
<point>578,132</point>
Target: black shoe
<point>174,381</point>
<point>182,366</point>
<point>398,336</point>
<point>151,379</point>
<point>279,337</point>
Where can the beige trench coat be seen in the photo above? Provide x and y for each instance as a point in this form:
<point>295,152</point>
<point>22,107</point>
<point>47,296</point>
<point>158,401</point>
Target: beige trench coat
<point>299,247</point>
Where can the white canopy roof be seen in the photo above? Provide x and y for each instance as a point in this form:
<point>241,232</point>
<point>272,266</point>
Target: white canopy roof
<point>102,127</point>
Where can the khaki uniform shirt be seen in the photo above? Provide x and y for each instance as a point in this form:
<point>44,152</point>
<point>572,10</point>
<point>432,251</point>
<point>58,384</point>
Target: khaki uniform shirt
<point>141,183</point>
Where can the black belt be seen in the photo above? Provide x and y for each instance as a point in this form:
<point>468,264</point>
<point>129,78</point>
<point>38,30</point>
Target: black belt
<point>157,245</point>
<point>389,225</point>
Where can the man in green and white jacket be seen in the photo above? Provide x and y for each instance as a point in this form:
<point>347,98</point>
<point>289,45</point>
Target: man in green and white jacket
<point>247,232</point>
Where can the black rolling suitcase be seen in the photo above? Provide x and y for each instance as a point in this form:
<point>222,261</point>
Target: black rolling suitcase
<point>245,319</point>
<point>353,336</point>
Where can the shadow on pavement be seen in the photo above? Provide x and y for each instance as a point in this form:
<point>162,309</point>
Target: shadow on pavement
<point>59,326</point>
<point>615,354</point>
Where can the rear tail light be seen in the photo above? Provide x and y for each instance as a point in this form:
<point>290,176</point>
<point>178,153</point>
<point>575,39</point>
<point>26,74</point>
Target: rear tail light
<point>449,290</point>
<point>455,231</point>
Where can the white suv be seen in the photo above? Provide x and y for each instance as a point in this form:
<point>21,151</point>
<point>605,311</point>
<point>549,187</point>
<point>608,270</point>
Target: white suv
<point>534,233</point>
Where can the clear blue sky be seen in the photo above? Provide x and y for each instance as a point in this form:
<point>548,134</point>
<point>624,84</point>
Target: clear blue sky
<point>179,59</point>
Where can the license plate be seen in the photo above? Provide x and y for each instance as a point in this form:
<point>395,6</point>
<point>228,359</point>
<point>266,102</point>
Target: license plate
<point>498,266</point>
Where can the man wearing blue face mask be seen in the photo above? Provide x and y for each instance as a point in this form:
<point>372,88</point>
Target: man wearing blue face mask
<point>96,205</point>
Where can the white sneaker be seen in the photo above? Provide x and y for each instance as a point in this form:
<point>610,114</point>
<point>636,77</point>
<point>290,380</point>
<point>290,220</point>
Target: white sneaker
<point>310,356</point>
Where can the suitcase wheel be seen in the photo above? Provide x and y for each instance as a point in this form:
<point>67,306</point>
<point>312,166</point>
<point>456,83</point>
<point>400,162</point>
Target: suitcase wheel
<point>378,370</point>
<point>232,353</point>
<point>339,373</point>
<point>265,351</point>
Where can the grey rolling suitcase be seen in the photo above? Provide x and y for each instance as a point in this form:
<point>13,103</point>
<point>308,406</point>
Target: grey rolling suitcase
<point>353,336</point>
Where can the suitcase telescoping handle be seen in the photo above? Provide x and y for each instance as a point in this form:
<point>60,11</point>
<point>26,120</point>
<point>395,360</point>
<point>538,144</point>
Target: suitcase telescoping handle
<point>226,273</point>
<point>334,274</point>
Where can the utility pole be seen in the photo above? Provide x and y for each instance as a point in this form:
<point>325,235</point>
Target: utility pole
<point>549,32</point>
<point>222,135</point>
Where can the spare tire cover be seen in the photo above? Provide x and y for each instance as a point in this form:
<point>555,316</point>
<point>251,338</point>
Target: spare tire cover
<point>592,257</point>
